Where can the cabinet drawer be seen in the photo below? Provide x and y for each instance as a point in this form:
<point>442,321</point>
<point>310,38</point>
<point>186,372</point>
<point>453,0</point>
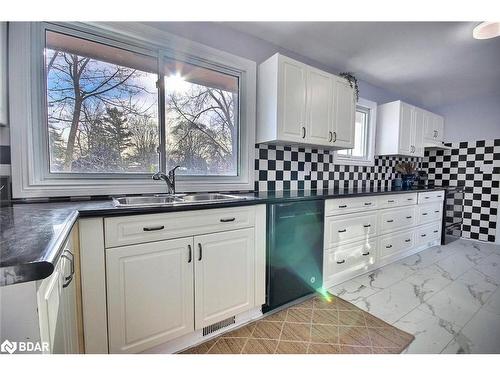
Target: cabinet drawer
<point>128,230</point>
<point>397,200</point>
<point>396,218</point>
<point>350,205</point>
<point>353,257</point>
<point>349,228</point>
<point>428,233</point>
<point>427,213</point>
<point>394,243</point>
<point>431,196</point>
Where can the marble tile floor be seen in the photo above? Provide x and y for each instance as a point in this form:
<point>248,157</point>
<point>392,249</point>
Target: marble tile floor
<point>447,296</point>
<point>314,326</point>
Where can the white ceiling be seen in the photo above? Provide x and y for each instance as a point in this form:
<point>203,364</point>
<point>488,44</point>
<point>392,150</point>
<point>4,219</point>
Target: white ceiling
<point>435,63</point>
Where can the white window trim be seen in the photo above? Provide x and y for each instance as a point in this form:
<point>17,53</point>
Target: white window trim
<point>26,95</point>
<point>370,160</point>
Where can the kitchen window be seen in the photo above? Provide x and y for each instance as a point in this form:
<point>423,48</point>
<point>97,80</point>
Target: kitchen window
<point>113,110</point>
<point>364,137</point>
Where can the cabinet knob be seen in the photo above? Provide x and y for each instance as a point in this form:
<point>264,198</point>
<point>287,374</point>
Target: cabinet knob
<point>408,240</point>
<point>367,225</point>
<point>342,230</point>
<point>388,246</point>
<point>331,136</point>
<point>334,136</point>
<point>390,221</point>
<point>303,132</point>
<point>408,217</point>
<point>365,254</point>
<point>340,261</point>
<point>368,203</point>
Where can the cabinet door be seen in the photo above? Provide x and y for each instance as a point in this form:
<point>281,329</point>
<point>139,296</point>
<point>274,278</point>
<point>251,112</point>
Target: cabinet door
<point>150,294</point>
<point>51,324</point>
<point>438,128</point>
<point>418,133</point>
<point>406,130</point>
<point>68,304</point>
<point>344,112</point>
<point>292,101</point>
<point>319,107</point>
<point>224,275</point>
<point>428,125</point>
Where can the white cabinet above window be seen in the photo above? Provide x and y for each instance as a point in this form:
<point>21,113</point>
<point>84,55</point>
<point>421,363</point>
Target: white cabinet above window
<point>299,104</point>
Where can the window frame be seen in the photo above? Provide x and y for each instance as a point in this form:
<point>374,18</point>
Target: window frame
<point>371,108</point>
<point>29,138</point>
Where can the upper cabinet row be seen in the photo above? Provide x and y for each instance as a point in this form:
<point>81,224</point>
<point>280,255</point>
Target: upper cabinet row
<point>403,129</point>
<point>299,104</point>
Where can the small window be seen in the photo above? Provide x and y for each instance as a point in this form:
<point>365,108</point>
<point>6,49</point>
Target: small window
<point>364,136</point>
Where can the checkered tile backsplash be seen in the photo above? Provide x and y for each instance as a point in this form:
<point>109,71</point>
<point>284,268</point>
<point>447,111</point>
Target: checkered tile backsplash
<point>474,165</point>
<point>292,168</point>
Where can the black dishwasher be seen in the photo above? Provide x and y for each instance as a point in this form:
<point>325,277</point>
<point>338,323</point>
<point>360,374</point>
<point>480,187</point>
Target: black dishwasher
<point>294,252</point>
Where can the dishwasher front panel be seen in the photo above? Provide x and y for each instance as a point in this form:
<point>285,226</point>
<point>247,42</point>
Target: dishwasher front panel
<point>294,251</point>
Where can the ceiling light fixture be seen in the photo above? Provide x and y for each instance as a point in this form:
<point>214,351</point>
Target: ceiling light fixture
<point>486,30</point>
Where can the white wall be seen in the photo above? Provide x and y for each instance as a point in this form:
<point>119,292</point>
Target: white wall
<point>472,120</point>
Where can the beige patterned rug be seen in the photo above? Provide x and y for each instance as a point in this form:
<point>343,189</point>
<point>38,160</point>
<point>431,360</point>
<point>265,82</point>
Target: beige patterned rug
<point>320,325</point>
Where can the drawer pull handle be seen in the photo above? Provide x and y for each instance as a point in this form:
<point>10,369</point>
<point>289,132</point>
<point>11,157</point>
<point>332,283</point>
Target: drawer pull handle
<point>408,240</point>
<point>340,261</point>
<point>436,211</point>
<point>365,254</point>
<point>227,220</point>
<point>426,197</point>
<point>436,231</point>
<point>390,201</point>
<point>190,252</point>
<point>151,229</point>
<point>343,206</point>
<point>368,203</point>
<point>390,221</point>
<point>439,196</point>
<point>424,214</point>
<point>342,230</point>
<point>423,235</point>
<point>409,199</point>
<point>409,217</point>
<point>200,256</point>
<point>388,246</point>
<point>367,225</point>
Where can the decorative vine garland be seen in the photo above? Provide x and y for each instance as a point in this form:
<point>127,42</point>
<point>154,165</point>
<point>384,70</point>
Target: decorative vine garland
<point>353,82</point>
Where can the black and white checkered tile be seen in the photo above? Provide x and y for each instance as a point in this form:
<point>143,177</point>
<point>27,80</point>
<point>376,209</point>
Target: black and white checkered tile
<point>292,168</point>
<point>476,166</point>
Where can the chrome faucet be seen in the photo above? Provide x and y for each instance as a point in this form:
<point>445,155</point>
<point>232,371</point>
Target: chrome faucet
<point>170,179</point>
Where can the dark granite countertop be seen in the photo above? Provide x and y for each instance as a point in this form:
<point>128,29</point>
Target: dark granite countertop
<point>33,234</point>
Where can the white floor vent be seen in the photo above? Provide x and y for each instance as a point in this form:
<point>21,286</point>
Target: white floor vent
<point>219,325</point>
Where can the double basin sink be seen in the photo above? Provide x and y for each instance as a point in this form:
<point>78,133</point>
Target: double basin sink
<point>176,199</point>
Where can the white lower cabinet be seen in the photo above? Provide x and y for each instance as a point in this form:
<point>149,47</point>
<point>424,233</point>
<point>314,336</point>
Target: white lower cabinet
<point>172,289</point>
<point>57,306</point>
<point>395,243</point>
<point>224,275</point>
<point>348,260</point>
<point>150,294</point>
<point>363,239</point>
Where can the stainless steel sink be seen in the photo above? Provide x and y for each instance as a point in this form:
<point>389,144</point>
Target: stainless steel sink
<point>210,197</point>
<point>140,201</point>
<point>179,199</point>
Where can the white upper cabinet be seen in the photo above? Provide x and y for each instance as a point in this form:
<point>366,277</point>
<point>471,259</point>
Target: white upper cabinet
<point>299,104</point>
<point>344,112</point>
<point>400,130</point>
<point>433,128</point>
<point>293,100</point>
